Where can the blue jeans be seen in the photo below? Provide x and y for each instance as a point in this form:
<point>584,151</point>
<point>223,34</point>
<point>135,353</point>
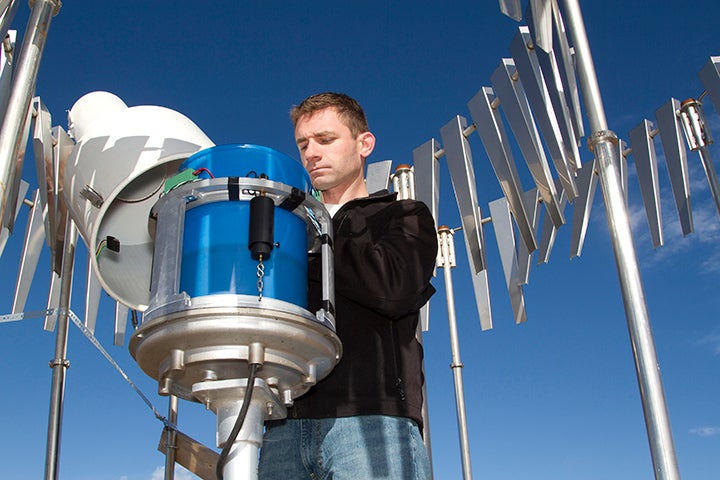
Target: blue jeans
<point>352,448</point>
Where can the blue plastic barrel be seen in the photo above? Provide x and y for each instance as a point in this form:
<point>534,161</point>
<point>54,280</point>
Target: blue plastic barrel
<point>215,254</point>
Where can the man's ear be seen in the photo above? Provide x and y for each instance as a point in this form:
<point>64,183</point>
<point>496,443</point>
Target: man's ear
<point>367,144</point>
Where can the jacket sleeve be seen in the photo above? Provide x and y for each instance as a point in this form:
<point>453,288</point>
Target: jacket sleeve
<point>385,259</point>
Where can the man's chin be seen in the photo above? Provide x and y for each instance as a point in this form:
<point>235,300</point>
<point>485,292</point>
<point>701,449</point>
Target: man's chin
<point>321,185</point>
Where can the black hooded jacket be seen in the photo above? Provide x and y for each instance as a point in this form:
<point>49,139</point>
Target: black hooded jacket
<point>384,252</point>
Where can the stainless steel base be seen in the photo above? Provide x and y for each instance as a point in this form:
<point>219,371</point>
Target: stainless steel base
<point>215,338</point>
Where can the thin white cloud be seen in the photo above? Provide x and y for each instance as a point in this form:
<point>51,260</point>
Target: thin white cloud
<point>705,239</point>
<point>706,431</point>
<point>711,264</point>
<point>180,474</point>
<point>712,339</point>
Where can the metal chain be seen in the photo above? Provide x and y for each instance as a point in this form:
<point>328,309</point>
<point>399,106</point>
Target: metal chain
<point>260,275</point>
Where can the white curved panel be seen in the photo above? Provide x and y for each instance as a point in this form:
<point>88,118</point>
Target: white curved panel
<point>116,172</point>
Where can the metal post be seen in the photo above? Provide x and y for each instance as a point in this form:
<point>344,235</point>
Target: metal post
<point>8,9</point>
<point>171,446</point>
<point>404,185</point>
<point>242,461</point>
<point>23,87</point>
<point>604,144</point>
<point>446,247</point>
<point>60,364</point>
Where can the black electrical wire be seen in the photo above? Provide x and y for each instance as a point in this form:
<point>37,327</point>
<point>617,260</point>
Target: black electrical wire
<point>134,319</point>
<point>239,422</point>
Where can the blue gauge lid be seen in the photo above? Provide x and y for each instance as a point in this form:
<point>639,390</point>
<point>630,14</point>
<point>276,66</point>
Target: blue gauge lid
<point>247,160</point>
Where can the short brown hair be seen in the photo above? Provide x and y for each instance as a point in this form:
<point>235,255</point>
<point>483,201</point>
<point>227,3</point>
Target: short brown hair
<point>349,110</point>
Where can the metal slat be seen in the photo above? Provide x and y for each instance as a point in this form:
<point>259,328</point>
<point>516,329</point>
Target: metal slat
<point>44,169</point>
<point>4,231</point>
<point>378,176</point>
<point>514,103</point>
<point>547,239</point>
<point>92,296</point>
<point>512,9</point>
<point>482,299</point>
<point>6,71</point>
<point>551,73</point>
<point>427,175</point>
<point>191,454</point>
<point>490,127</point>
<point>531,199</point>
<point>643,151</point>
<point>676,159</point>
<point>564,56</point>
<point>587,182</point>
<point>527,65</point>
<point>56,283</point>
<point>61,151</point>
<point>53,301</point>
<point>540,23</point>
<point>710,78</point>
<point>121,314</point>
<point>462,174</point>
<point>427,185</point>
<point>32,247</point>
<point>503,227</point>
<point>622,146</point>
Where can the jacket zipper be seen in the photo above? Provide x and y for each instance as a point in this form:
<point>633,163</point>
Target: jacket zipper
<point>398,379</point>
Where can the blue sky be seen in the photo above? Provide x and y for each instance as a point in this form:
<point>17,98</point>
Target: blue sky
<point>555,398</point>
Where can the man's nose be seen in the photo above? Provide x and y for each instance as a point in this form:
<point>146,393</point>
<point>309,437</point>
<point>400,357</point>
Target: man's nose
<point>311,150</point>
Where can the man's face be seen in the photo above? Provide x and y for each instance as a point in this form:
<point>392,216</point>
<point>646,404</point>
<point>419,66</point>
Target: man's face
<point>329,152</point>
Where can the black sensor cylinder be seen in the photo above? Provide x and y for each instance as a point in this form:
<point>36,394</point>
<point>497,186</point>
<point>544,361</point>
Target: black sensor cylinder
<point>261,234</point>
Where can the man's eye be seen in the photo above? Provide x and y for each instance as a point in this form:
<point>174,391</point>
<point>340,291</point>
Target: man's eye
<point>325,140</point>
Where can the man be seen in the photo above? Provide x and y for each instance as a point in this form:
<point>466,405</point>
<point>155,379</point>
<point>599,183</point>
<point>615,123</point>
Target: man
<point>364,420</point>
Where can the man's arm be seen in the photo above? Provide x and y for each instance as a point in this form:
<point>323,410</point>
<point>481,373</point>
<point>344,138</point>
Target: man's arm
<point>385,261</point>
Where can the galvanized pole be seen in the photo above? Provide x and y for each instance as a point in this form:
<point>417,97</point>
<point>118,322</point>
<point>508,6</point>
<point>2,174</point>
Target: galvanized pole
<point>171,439</point>
<point>23,87</point>
<point>403,181</point>
<point>447,256</point>
<point>8,9</point>
<point>60,364</point>
<point>603,143</point>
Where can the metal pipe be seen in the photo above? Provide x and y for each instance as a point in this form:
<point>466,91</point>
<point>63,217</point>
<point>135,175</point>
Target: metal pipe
<point>404,174</point>
<point>4,4</point>
<point>604,145</point>
<point>242,461</point>
<point>585,67</point>
<point>171,445</point>
<point>657,421</point>
<point>23,87</point>
<point>445,240</point>
<point>60,364</point>
<point>8,9</point>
